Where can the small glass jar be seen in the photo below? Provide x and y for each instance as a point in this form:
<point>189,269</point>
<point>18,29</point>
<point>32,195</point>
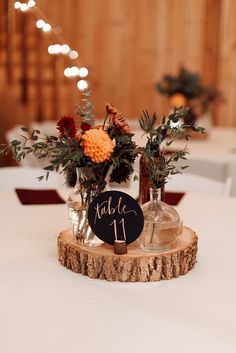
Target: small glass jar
<point>87,187</point>
<point>162,224</point>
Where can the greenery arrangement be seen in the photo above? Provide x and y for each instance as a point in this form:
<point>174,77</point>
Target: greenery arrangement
<point>187,83</point>
<point>187,89</point>
<point>106,147</point>
<point>161,165</point>
<point>100,148</point>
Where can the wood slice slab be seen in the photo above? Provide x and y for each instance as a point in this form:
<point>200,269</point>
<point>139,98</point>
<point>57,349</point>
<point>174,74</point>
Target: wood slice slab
<point>135,266</point>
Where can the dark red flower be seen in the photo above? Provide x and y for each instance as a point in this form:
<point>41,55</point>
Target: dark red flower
<point>85,127</point>
<point>66,126</point>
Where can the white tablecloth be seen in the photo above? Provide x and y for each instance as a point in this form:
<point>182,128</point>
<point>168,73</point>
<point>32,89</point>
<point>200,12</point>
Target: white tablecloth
<point>45,308</point>
<point>219,147</point>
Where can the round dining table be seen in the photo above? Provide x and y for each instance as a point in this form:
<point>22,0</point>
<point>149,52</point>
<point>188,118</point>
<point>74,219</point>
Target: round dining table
<point>46,308</point>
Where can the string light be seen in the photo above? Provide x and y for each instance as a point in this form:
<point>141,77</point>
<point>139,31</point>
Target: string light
<point>71,71</point>
<point>74,71</point>
<point>73,54</point>
<point>46,27</point>
<point>24,7</point>
<point>51,49</point>
<point>31,3</point>
<point>55,49</point>
<point>58,49</point>
<point>82,85</point>
<point>17,5</point>
<point>67,72</point>
<point>40,23</point>
<point>83,72</point>
<point>65,49</point>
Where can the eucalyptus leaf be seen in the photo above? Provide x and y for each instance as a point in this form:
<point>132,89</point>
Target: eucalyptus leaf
<point>161,167</point>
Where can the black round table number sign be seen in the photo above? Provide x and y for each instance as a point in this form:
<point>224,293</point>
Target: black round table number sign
<point>114,215</point>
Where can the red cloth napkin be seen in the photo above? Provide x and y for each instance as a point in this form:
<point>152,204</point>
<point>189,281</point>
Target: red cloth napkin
<point>173,198</point>
<point>38,197</point>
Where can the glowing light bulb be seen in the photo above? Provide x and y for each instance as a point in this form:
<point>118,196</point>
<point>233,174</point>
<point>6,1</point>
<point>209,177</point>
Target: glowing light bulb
<point>74,71</point>
<point>46,27</point>
<point>82,85</point>
<point>24,7</point>
<point>51,49</point>
<point>73,54</point>
<point>83,72</point>
<point>71,71</point>
<point>31,3</point>
<point>57,49</point>
<point>17,5</point>
<point>40,23</point>
<point>65,49</point>
<point>67,72</point>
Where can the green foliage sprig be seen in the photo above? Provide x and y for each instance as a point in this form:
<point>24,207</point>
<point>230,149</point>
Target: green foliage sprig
<point>161,165</point>
<point>62,153</point>
<point>85,109</point>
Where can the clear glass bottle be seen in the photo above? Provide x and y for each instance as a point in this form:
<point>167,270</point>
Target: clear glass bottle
<point>162,224</point>
<point>86,189</point>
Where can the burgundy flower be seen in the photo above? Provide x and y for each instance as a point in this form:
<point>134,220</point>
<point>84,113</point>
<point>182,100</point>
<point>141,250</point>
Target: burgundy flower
<point>85,127</point>
<point>66,126</point>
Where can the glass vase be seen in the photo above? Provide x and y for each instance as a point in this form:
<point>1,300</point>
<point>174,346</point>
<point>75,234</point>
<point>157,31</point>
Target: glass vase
<point>87,187</point>
<point>162,224</point>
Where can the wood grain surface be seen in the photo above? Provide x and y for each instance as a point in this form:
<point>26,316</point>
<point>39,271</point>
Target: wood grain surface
<point>100,262</point>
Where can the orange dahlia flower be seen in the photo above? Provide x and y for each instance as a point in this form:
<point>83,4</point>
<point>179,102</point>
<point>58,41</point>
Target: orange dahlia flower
<point>97,145</point>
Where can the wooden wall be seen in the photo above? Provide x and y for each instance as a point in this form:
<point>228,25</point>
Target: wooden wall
<point>127,45</point>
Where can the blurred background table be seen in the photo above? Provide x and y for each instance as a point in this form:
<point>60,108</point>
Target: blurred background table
<point>46,308</point>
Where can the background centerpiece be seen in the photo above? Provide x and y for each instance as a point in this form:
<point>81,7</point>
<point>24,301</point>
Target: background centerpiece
<point>187,89</point>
